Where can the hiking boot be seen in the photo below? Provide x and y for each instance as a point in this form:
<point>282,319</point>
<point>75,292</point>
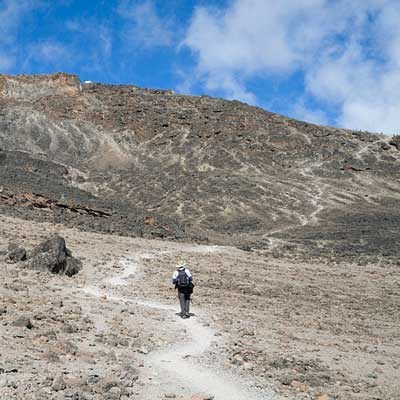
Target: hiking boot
<point>184,316</point>
<point>187,315</point>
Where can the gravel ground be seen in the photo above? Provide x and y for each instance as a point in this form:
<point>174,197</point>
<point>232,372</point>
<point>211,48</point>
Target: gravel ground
<point>289,329</point>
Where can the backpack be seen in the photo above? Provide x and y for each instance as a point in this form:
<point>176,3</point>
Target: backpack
<point>182,280</point>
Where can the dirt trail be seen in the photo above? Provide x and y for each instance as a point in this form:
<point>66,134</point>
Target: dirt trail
<point>174,364</point>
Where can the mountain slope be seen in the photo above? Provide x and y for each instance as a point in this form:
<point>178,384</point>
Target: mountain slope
<point>195,168</point>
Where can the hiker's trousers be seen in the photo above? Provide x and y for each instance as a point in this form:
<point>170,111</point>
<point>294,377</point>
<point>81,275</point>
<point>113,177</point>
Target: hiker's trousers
<point>184,300</point>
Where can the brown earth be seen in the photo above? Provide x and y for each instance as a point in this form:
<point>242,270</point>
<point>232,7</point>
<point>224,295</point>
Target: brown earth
<point>315,330</point>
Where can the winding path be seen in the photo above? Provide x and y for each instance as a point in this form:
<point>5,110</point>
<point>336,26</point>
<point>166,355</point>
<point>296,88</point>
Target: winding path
<point>173,363</point>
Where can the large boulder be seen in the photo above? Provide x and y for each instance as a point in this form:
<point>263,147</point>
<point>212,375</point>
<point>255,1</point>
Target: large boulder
<point>52,255</point>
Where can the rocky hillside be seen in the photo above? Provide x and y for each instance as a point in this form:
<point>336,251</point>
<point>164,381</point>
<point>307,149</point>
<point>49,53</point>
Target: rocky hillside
<point>152,163</point>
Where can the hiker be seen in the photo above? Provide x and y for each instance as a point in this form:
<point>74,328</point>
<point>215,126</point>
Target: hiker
<point>183,281</point>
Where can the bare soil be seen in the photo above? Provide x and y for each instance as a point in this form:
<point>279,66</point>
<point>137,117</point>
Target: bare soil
<point>263,328</point>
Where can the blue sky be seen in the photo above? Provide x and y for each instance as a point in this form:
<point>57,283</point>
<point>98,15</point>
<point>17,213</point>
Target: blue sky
<point>334,62</point>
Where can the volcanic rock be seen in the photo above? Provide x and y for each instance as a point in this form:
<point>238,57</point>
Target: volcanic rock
<point>23,321</point>
<point>16,254</point>
<point>151,163</point>
<point>52,255</point>
<point>58,383</point>
<point>395,141</point>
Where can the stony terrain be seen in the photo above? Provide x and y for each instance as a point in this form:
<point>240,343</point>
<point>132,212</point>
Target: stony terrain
<point>195,168</point>
<point>306,331</point>
<point>290,229</point>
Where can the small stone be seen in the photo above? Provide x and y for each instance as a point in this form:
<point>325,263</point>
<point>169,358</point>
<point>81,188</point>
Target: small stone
<point>68,328</point>
<point>123,342</point>
<point>248,366</point>
<point>67,347</point>
<point>58,383</point>
<point>88,359</point>
<point>51,356</point>
<point>114,393</point>
<point>3,381</point>
<point>50,335</point>
<point>76,383</point>
<point>17,254</point>
<point>107,383</point>
<point>24,322</point>
<point>299,386</point>
<point>237,359</point>
<point>143,350</point>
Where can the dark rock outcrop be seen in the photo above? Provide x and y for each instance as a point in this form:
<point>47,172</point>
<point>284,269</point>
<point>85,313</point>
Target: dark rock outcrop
<point>52,255</point>
<point>395,141</point>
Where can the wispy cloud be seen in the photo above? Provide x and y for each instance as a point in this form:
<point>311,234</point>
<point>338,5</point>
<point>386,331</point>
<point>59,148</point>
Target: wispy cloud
<point>347,53</point>
<point>91,42</point>
<point>11,16</point>
<point>304,113</point>
<point>6,61</point>
<point>48,53</point>
<point>144,27</point>
<point>11,13</point>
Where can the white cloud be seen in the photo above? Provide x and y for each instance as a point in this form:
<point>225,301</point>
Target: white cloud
<point>144,26</point>
<point>255,38</point>
<point>6,61</point>
<point>347,52</point>
<point>365,79</point>
<point>233,87</point>
<point>92,45</point>
<point>47,54</point>
<point>11,15</point>
<point>301,112</point>
<point>50,52</point>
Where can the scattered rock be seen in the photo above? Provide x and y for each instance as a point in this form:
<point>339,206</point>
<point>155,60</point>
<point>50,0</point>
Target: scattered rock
<point>16,254</point>
<point>384,146</point>
<point>67,347</point>
<point>114,393</point>
<point>107,383</point>
<point>51,356</point>
<point>76,383</point>
<point>58,383</point>
<point>23,321</point>
<point>299,386</point>
<point>395,141</point>
<point>144,350</point>
<point>69,328</point>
